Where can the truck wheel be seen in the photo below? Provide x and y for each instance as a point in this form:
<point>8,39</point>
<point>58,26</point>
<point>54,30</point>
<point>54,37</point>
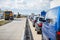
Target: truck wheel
<point>6,19</point>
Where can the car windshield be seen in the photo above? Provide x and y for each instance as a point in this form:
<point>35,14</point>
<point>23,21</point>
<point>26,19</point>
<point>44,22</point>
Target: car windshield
<point>7,12</point>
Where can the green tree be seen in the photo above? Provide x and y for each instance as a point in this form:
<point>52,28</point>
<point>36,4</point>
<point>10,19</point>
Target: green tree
<point>19,15</point>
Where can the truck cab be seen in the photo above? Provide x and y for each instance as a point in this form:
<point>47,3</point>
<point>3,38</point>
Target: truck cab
<point>8,15</point>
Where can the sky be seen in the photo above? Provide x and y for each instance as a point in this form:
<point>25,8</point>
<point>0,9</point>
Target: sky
<point>25,6</point>
<point>55,3</point>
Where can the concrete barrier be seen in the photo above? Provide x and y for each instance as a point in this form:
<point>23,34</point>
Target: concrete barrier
<point>28,33</point>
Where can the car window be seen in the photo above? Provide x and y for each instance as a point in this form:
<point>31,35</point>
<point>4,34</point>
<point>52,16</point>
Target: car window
<point>37,18</point>
<point>51,16</point>
<point>31,17</point>
<point>49,20</point>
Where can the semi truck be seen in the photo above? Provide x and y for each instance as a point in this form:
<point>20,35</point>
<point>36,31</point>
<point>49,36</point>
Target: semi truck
<point>8,15</point>
<point>51,26</point>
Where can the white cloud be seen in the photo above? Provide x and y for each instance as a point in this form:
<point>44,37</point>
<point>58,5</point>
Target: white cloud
<point>21,1</point>
<point>55,3</point>
<point>34,5</point>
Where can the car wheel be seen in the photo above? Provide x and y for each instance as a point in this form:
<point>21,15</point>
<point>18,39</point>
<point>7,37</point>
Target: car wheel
<point>35,30</point>
<point>38,32</point>
<point>33,25</point>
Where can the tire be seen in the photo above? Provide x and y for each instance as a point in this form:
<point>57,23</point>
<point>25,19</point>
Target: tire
<point>6,19</point>
<point>35,30</point>
<point>38,32</point>
<point>33,25</point>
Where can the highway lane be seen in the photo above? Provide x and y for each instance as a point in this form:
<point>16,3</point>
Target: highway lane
<point>13,30</point>
<point>34,33</point>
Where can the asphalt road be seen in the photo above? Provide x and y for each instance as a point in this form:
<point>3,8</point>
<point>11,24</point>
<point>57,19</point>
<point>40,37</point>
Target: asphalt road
<point>13,30</point>
<point>34,33</point>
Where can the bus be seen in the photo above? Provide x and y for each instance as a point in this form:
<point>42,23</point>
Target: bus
<point>51,26</point>
<point>8,15</point>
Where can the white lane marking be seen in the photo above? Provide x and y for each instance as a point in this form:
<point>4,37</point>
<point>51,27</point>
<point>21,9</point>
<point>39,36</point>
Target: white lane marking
<point>23,33</point>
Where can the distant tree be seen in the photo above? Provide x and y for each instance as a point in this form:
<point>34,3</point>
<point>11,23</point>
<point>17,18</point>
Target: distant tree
<point>1,11</point>
<point>19,15</point>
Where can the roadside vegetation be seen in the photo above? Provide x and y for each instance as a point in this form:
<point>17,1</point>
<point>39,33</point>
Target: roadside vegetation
<point>4,22</point>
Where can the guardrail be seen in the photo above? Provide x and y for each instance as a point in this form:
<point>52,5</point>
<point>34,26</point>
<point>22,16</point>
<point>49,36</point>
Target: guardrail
<point>28,33</point>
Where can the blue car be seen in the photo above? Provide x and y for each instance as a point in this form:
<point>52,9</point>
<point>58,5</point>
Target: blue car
<point>51,26</point>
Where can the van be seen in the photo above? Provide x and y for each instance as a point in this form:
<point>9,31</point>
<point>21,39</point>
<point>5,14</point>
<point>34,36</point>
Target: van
<point>51,27</point>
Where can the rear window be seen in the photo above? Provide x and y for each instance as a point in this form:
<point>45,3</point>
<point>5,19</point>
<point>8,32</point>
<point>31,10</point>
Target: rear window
<point>32,18</point>
<point>41,19</point>
<point>37,18</point>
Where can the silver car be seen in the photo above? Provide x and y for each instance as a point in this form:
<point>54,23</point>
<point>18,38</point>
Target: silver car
<point>34,20</point>
<point>38,25</point>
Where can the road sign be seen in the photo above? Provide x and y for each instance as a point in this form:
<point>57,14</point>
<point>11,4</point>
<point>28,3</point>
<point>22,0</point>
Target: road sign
<point>43,13</point>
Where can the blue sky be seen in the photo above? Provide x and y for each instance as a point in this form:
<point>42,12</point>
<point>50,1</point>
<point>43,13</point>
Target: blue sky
<point>25,6</point>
